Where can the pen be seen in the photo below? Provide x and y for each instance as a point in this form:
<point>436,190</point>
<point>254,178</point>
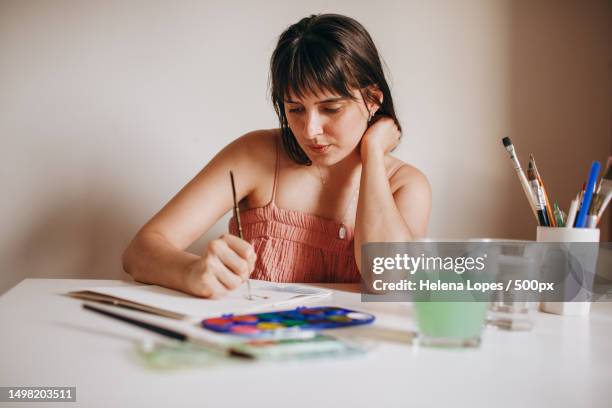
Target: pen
<point>170,333</point>
<point>538,193</point>
<point>237,216</point>
<point>520,174</point>
<point>581,219</point>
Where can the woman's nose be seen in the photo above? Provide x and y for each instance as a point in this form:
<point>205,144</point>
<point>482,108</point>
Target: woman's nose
<point>313,125</point>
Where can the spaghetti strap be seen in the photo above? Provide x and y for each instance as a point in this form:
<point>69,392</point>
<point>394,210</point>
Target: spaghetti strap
<point>273,200</point>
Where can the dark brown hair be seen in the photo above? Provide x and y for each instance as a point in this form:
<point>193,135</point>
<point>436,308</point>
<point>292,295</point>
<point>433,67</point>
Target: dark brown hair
<point>325,52</point>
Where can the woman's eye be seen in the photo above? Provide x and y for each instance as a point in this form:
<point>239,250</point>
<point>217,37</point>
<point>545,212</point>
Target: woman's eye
<point>327,109</point>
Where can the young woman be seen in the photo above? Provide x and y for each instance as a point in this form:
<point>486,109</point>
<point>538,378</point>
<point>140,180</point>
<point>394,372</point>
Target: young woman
<point>311,192</point>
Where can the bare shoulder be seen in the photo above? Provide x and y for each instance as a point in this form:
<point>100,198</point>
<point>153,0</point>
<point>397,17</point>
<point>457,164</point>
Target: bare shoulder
<point>412,194</point>
<point>258,146</point>
<point>253,156</point>
<point>250,158</point>
<point>403,176</point>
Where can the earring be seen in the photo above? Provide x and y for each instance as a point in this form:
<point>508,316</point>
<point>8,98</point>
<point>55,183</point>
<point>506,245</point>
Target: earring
<point>370,117</point>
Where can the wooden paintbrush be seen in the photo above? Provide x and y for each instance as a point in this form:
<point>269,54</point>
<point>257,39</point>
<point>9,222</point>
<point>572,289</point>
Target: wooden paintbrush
<point>237,216</point>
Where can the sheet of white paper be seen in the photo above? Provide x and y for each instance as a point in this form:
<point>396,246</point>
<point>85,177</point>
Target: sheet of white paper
<point>266,295</point>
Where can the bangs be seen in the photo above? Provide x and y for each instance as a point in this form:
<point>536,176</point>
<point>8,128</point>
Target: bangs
<point>325,54</point>
<point>313,67</point>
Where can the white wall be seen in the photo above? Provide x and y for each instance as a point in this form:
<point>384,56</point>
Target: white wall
<point>108,108</point>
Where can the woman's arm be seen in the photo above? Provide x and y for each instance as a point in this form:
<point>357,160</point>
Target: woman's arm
<point>157,253</point>
<point>388,211</point>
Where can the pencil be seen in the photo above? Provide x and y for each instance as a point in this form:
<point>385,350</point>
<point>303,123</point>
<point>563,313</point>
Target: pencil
<point>237,216</point>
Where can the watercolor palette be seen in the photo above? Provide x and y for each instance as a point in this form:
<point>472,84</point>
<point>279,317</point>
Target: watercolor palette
<point>301,319</point>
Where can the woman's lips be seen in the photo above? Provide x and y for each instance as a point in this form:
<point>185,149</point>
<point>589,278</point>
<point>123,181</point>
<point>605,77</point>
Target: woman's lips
<point>319,148</point>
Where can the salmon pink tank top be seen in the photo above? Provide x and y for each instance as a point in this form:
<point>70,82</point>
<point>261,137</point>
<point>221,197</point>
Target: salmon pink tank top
<point>294,246</point>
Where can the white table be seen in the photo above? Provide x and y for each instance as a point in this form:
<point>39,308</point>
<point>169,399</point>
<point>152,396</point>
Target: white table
<point>48,340</point>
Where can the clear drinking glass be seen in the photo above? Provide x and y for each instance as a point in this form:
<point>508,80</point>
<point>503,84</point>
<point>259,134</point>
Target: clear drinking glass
<point>510,309</point>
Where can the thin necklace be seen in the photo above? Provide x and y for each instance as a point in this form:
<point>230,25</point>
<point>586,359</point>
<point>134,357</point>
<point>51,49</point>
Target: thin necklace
<point>323,181</point>
<point>342,230</point>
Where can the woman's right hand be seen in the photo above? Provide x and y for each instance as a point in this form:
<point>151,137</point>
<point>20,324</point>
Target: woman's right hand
<point>225,264</point>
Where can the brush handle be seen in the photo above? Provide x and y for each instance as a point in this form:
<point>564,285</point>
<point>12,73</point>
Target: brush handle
<point>571,213</point>
<point>527,190</point>
<point>173,334</point>
<point>604,204</point>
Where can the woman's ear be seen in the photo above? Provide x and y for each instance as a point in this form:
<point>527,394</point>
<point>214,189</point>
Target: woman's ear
<point>374,98</point>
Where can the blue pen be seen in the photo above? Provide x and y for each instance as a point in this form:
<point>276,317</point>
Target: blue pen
<point>588,195</point>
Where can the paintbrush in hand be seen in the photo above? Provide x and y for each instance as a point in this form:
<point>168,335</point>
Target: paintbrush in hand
<point>237,216</point>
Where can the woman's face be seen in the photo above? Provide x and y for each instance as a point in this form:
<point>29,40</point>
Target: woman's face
<point>327,127</point>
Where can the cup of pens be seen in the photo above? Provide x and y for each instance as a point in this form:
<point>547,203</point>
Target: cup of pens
<point>572,263</point>
<point>570,241</point>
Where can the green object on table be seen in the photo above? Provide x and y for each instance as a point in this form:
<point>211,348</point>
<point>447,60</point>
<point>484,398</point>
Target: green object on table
<point>451,318</point>
<point>450,323</point>
<point>175,355</point>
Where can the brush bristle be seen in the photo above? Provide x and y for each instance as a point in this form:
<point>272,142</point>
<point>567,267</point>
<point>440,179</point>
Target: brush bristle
<point>608,173</point>
<point>506,141</point>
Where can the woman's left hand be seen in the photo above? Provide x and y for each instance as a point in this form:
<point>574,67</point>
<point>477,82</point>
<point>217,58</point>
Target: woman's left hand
<point>380,138</point>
